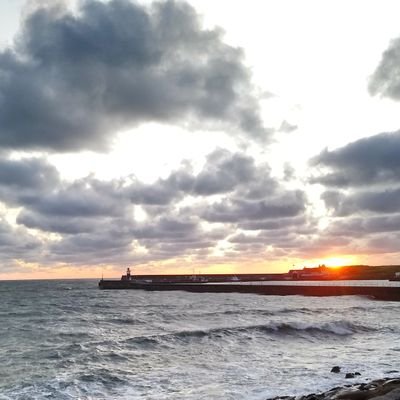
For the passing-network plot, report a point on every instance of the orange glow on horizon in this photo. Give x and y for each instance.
(170, 267)
(338, 261)
(173, 267)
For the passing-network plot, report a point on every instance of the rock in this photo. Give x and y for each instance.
(379, 389)
(282, 398)
(310, 397)
(393, 382)
(392, 395)
(352, 395)
(357, 374)
(335, 369)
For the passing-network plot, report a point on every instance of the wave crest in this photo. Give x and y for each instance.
(299, 329)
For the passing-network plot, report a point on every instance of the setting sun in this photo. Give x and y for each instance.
(337, 261)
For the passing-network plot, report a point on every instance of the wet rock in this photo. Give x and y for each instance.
(394, 381)
(392, 395)
(352, 395)
(335, 369)
(310, 397)
(350, 375)
(380, 389)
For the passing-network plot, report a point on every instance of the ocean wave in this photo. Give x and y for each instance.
(299, 329)
(124, 321)
(89, 386)
(144, 341)
(105, 378)
(74, 335)
(338, 328)
(264, 312)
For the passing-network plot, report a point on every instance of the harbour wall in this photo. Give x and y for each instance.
(376, 292)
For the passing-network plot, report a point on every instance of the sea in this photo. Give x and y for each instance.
(69, 340)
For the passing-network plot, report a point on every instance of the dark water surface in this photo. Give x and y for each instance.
(69, 340)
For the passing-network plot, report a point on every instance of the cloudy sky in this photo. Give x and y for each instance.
(199, 136)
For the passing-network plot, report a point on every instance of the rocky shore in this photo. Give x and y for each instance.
(380, 389)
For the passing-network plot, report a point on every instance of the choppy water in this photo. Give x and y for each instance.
(69, 340)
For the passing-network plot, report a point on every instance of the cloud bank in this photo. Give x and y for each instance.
(367, 161)
(72, 80)
(185, 215)
(362, 193)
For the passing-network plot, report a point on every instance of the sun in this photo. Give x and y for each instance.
(337, 261)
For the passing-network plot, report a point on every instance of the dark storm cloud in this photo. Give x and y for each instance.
(386, 201)
(386, 78)
(235, 210)
(280, 235)
(364, 162)
(357, 227)
(377, 201)
(97, 222)
(363, 180)
(52, 205)
(17, 243)
(80, 199)
(112, 244)
(176, 236)
(29, 173)
(162, 192)
(87, 205)
(222, 173)
(118, 241)
(167, 227)
(249, 195)
(69, 225)
(384, 244)
(335, 201)
(71, 80)
(280, 243)
(23, 181)
(275, 224)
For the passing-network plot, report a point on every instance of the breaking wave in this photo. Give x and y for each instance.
(292, 329)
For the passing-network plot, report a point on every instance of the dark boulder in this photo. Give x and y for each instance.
(335, 369)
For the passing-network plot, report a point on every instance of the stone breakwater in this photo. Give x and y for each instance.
(380, 389)
(375, 292)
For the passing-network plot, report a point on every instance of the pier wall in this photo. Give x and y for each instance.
(380, 293)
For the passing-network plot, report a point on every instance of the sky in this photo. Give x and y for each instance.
(197, 136)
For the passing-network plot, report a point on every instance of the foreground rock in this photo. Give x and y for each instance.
(381, 389)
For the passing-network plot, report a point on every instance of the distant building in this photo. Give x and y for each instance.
(128, 275)
(320, 272)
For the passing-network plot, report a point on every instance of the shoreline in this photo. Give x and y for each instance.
(379, 389)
